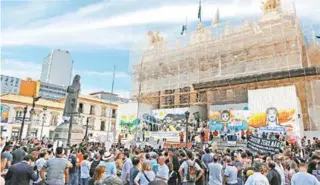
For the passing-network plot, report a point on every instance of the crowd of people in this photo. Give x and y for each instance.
(37, 162)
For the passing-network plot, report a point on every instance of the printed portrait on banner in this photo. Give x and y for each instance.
(228, 121)
(275, 110)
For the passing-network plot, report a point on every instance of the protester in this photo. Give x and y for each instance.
(230, 173)
(98, 176)
(215, 172)
(85, 170)
(18, 154)
(134, 170)
(95, 163)
(173, 175)
(257, 177)
(2, 166)
(273, 176)
(163, 170)
(107, 161)
(21, 173)
(73, 173)
(304, 178)
(125, 173)
(57, 169)
(145, 176)
(188, 170)
(8, 156)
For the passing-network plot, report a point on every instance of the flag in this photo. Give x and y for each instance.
(216, 19)
(183, 28)
(199, 12)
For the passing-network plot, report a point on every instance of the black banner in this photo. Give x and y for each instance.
(263, 145)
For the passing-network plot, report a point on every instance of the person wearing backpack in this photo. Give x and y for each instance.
(189, 169)
(94, 164)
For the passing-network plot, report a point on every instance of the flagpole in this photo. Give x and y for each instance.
(110, 107)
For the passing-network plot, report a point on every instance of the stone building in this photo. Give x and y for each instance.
(219, 64)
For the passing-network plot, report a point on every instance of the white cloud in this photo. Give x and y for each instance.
(20, 69)
(91, 25)
(26, 69)
(86, 90)
(118, 74)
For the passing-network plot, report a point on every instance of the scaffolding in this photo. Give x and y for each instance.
(167, 70)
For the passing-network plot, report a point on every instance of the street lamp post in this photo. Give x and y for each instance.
(25, 110)
(187, 113)
(34, 100)
(43, 118)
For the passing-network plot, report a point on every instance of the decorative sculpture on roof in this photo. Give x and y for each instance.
(246, 25)
(155, 40)
(202, 34)
(269, 5)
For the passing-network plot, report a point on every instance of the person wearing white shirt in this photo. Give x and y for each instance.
(163, 170)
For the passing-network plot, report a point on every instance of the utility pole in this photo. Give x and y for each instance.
(25, 110)
(110, 107)
(43, 118)
(34, 100)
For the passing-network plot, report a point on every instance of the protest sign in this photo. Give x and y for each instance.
(257, 144)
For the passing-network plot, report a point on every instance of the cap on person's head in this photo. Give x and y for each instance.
(257, 166)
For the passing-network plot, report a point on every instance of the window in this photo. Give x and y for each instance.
(54, 120)
(114, 113)
(80, 108)
(103, 112)
(92, 110)
(103, 126)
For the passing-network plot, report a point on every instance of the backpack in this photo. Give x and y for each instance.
(191, 173)
(93, 167)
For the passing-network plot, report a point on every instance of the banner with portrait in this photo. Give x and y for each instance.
(275, 110)
(229, 118)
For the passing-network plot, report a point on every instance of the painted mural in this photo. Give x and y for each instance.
(4, 111)
(129, 122)
(275, 110)
(228, 119)
(268, 110)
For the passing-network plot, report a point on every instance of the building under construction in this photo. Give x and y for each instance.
(218, 65)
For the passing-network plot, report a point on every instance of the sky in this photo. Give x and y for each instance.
(101, 34)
